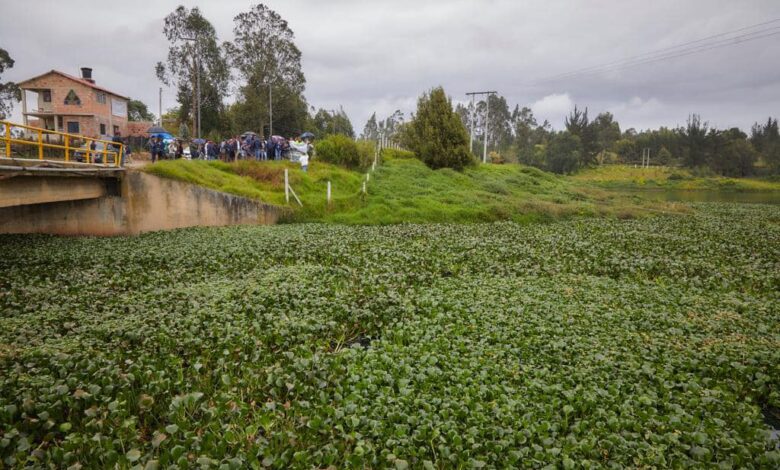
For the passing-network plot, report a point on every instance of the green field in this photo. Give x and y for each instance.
(631, 177)
(581, 343)
(404, 190)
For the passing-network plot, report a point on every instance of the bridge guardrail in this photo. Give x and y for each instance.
(74, 147)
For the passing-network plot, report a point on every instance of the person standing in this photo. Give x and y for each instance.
(304, 160)
(211, 150)
(256, 147)
(154, 148)
(116, 146)
(179, 149)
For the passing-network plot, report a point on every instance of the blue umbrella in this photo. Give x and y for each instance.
(198, 141)
(307, 135)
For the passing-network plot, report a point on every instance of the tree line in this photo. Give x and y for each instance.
(262, 56)
(517, 136)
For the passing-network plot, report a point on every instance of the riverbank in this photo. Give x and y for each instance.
(404, 190)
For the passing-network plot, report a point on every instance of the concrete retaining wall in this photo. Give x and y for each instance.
(146, 203)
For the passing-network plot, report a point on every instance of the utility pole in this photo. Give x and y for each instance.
(197, 76)
(160, 106)
(333, 120)
(270, 112)
(471, 134)
(487, 116)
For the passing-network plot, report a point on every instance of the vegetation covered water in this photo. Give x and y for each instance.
(581, 343)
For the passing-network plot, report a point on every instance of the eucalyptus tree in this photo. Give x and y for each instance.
(194, 52)
(9, 91)
(269, 67)
(371, 129)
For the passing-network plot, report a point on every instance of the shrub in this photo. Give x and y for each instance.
(436, 135)
(563, 153)
(343, 151)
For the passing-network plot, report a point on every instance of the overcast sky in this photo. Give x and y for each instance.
(380, 55)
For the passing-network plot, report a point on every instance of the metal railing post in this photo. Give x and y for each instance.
(67, 148)
(8, 140)
(40, 144)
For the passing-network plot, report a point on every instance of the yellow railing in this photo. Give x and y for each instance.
(111, 151)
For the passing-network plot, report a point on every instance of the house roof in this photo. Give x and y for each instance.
(75, 79)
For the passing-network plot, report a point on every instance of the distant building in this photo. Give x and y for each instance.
(75, 105)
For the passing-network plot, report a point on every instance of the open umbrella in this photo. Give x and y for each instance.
(198, 141)
(248, 133)
(307, 135)
(156, 130)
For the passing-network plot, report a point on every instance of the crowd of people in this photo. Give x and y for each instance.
(248, 146)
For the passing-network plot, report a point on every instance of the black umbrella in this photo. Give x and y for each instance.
(156, 130)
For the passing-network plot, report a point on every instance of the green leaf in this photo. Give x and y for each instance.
(133, 455)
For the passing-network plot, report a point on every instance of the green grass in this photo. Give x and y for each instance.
(404, 190)
(629, 177)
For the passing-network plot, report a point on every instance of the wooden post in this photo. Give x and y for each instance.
(286, 187)
(328, 192)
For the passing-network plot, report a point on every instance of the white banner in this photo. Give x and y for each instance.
(118, 108)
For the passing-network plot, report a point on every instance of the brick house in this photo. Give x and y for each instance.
(75, 105)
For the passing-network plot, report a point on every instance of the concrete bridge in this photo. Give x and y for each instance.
(77, 199)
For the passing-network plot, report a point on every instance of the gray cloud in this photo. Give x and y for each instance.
(380, 55)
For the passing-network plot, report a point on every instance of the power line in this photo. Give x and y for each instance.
(680, 53)
(676, 51)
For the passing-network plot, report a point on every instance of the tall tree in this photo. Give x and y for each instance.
(436, 134)
(563, 152)
(766, 140)
(371, 129)
(695, 141)
(331, 122)
(9, 91)
(194, 51)
(390, 126)
(606, 132)
(265, 54)
(578, 124)
(138, 111)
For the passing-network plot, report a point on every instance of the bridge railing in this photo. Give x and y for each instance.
(18, 141)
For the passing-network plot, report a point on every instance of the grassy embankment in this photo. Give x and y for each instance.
(405, 190)
(629, 177)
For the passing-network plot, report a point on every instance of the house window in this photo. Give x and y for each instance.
(46, 94)
(101, 98)
(72, 98)
(102, 129)
(73, 127)
(116, 130)
(59, 123)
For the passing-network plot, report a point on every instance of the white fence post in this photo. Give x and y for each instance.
(286, 187)
(328, 192)
(364, 187)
